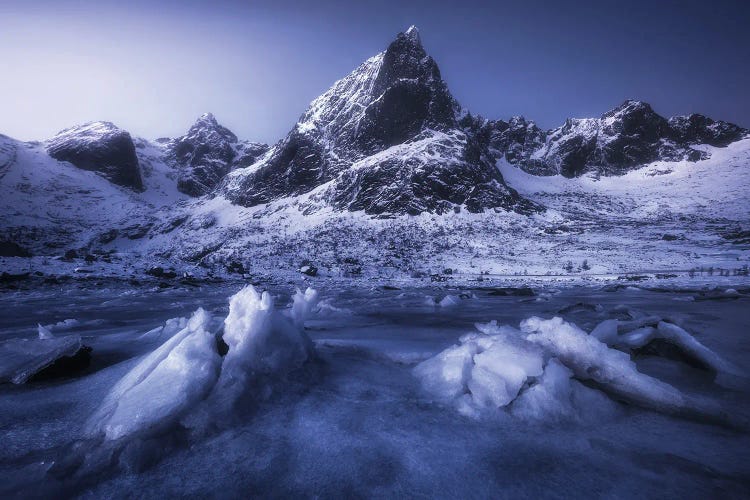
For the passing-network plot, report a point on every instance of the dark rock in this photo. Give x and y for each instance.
(108, 236)
(11, 278)
(510, 291)
(70, 254)
(309, 269)
(102, 148)
(137, 231)
(235, 267)
(11, 249)
(699, 129)
(159, 272)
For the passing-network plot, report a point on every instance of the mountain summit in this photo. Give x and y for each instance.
(206, 154)
(385, 139)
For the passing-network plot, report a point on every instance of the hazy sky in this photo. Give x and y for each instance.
(154, 67)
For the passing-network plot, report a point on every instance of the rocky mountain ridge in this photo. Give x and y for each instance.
(385, 140)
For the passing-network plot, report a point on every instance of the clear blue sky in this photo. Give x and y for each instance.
(153, 67)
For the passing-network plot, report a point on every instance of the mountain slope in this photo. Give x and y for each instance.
(49, 204)
(387, 139)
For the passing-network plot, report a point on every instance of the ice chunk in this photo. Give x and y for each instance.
(65, 324)
(164, 385)
(678, 336)
(260, 338)
(501, 370)
(44, 333)
(606, 331)
(446, 374)
(636, 334)
(21, 359)
(449, 301)
(489, 367)
(169, 328)
(612, 370)
(264, 345)
(302, 306)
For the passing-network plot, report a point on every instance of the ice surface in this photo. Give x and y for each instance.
(162, 387)
(367, 427)
(20, 359)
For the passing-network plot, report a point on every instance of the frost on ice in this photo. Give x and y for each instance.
(535, 373)
(187, 372)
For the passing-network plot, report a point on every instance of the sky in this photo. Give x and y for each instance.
(153, 67)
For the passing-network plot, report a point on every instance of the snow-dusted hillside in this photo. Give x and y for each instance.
(665, 216)
(49, 205)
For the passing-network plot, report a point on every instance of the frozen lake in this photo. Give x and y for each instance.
(357, 422)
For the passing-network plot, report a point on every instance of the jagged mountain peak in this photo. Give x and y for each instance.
(412, 32)
(629, 106)
(207, 124)
(367, 135)
(206, 153)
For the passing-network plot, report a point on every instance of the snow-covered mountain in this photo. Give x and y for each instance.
(386, 140)
(385, 171)
(206, 154)
(621, 140)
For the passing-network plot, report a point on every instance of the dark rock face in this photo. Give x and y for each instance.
(206, 154)
(625, 138)
(102, 148)
(12, 249)
(699, 129)
(387, 139)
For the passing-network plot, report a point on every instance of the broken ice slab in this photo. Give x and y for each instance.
(22, 359)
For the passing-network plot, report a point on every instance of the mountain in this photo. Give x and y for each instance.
(101, 147)
(51, 204)
(385, 140)
(625, 138)
(206, 154)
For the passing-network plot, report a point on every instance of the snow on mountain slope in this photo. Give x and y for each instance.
(666, 216)
(49, 204)
(715, 188)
